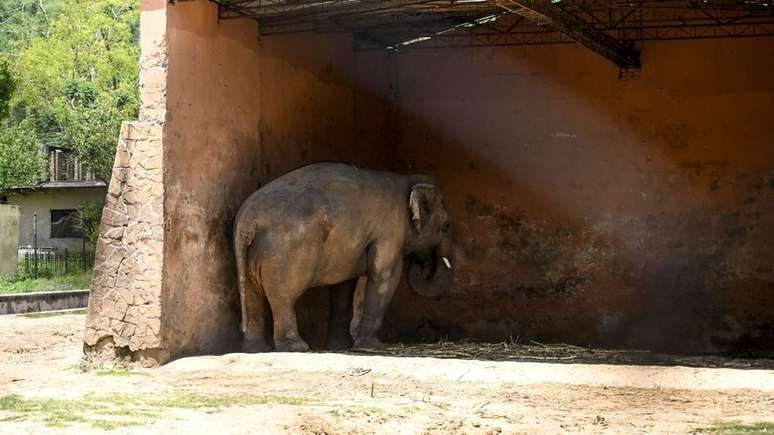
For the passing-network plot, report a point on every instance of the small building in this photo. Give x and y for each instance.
(54, 203)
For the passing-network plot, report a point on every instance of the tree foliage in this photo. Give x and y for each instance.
(20, 162)
(88, 218)
(21, 21)
(7, 85)
(75, 75)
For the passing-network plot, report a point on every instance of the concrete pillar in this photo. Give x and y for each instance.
(163, 280)
(9, 239)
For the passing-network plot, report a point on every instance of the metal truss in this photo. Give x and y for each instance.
(609, 27)
(643, 25)
(547, 14)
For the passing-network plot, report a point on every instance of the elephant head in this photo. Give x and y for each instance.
(430, 262)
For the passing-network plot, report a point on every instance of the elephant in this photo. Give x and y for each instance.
(327, 224)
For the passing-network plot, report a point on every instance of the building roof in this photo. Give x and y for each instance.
(47, 185)
(609, 27)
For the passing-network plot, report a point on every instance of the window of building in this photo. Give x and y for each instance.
(64, 224)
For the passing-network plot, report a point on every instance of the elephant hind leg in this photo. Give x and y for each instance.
(257, 314)
(286, 336)
(283, 288)
(255, 336)
(341, 295)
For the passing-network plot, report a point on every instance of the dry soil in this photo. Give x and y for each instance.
(330, 393)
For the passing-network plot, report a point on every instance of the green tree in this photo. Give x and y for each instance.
(77, 79)
(7, 85)
(21, 21)
(20, 162)
(88, 218)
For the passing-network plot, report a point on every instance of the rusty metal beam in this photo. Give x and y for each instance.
(547, 14)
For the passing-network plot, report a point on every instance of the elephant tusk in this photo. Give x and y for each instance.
(446, 262)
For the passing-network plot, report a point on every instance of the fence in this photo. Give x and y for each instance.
(40, 261)
(48, 262)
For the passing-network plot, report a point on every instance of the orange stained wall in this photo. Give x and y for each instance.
(240, 112)
(596, 211)
(211, 151)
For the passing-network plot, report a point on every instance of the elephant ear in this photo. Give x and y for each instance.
(419, 204)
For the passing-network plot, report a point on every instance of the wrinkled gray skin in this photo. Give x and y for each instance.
(327, 224)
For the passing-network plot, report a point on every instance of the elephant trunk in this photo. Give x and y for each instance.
(431, 275)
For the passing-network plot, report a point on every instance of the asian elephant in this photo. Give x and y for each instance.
(327, 224)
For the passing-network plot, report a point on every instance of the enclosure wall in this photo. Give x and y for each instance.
(211, 156)
(592, 210)
(240, 112)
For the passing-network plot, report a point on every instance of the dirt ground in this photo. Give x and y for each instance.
(486, 389)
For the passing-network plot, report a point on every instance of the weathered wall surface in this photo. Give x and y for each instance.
(211, 155)
(42, 202)
(590, 210)
(9, 240)
(241, 112)
(319, 102)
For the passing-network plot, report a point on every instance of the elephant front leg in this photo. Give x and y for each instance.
(340, 321)
(255, 336)
(382, 281)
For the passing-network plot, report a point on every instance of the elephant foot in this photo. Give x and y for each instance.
(297, 345)
(368, 343)
(255, 345)
(339, 342)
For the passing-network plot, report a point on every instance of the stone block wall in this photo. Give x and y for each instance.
(124, 315)
(125, 307)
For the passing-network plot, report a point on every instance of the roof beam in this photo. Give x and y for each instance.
(546, 13)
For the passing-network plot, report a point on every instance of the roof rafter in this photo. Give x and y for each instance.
(545, 13)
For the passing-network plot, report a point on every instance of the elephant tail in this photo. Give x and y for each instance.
(242, 242)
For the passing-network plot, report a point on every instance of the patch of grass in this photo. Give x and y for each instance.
(53, 313)
(25, 284)
(348, 411)
(738, 429)
(113, 411)
(113, 424)
(196, 401)
(53, 412)
(118, 371)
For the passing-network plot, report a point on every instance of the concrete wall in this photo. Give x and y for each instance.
(9, 240)
(211, 157)
(239, 113)
(42, 202)
(595, 211)
(43, 301)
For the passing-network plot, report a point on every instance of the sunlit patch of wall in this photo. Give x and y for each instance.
(592, 210)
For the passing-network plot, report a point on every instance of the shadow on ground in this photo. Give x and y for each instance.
(565, 353)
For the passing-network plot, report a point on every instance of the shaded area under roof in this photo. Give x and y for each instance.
(609, 27)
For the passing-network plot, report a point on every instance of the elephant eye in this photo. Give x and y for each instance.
(445, 228)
